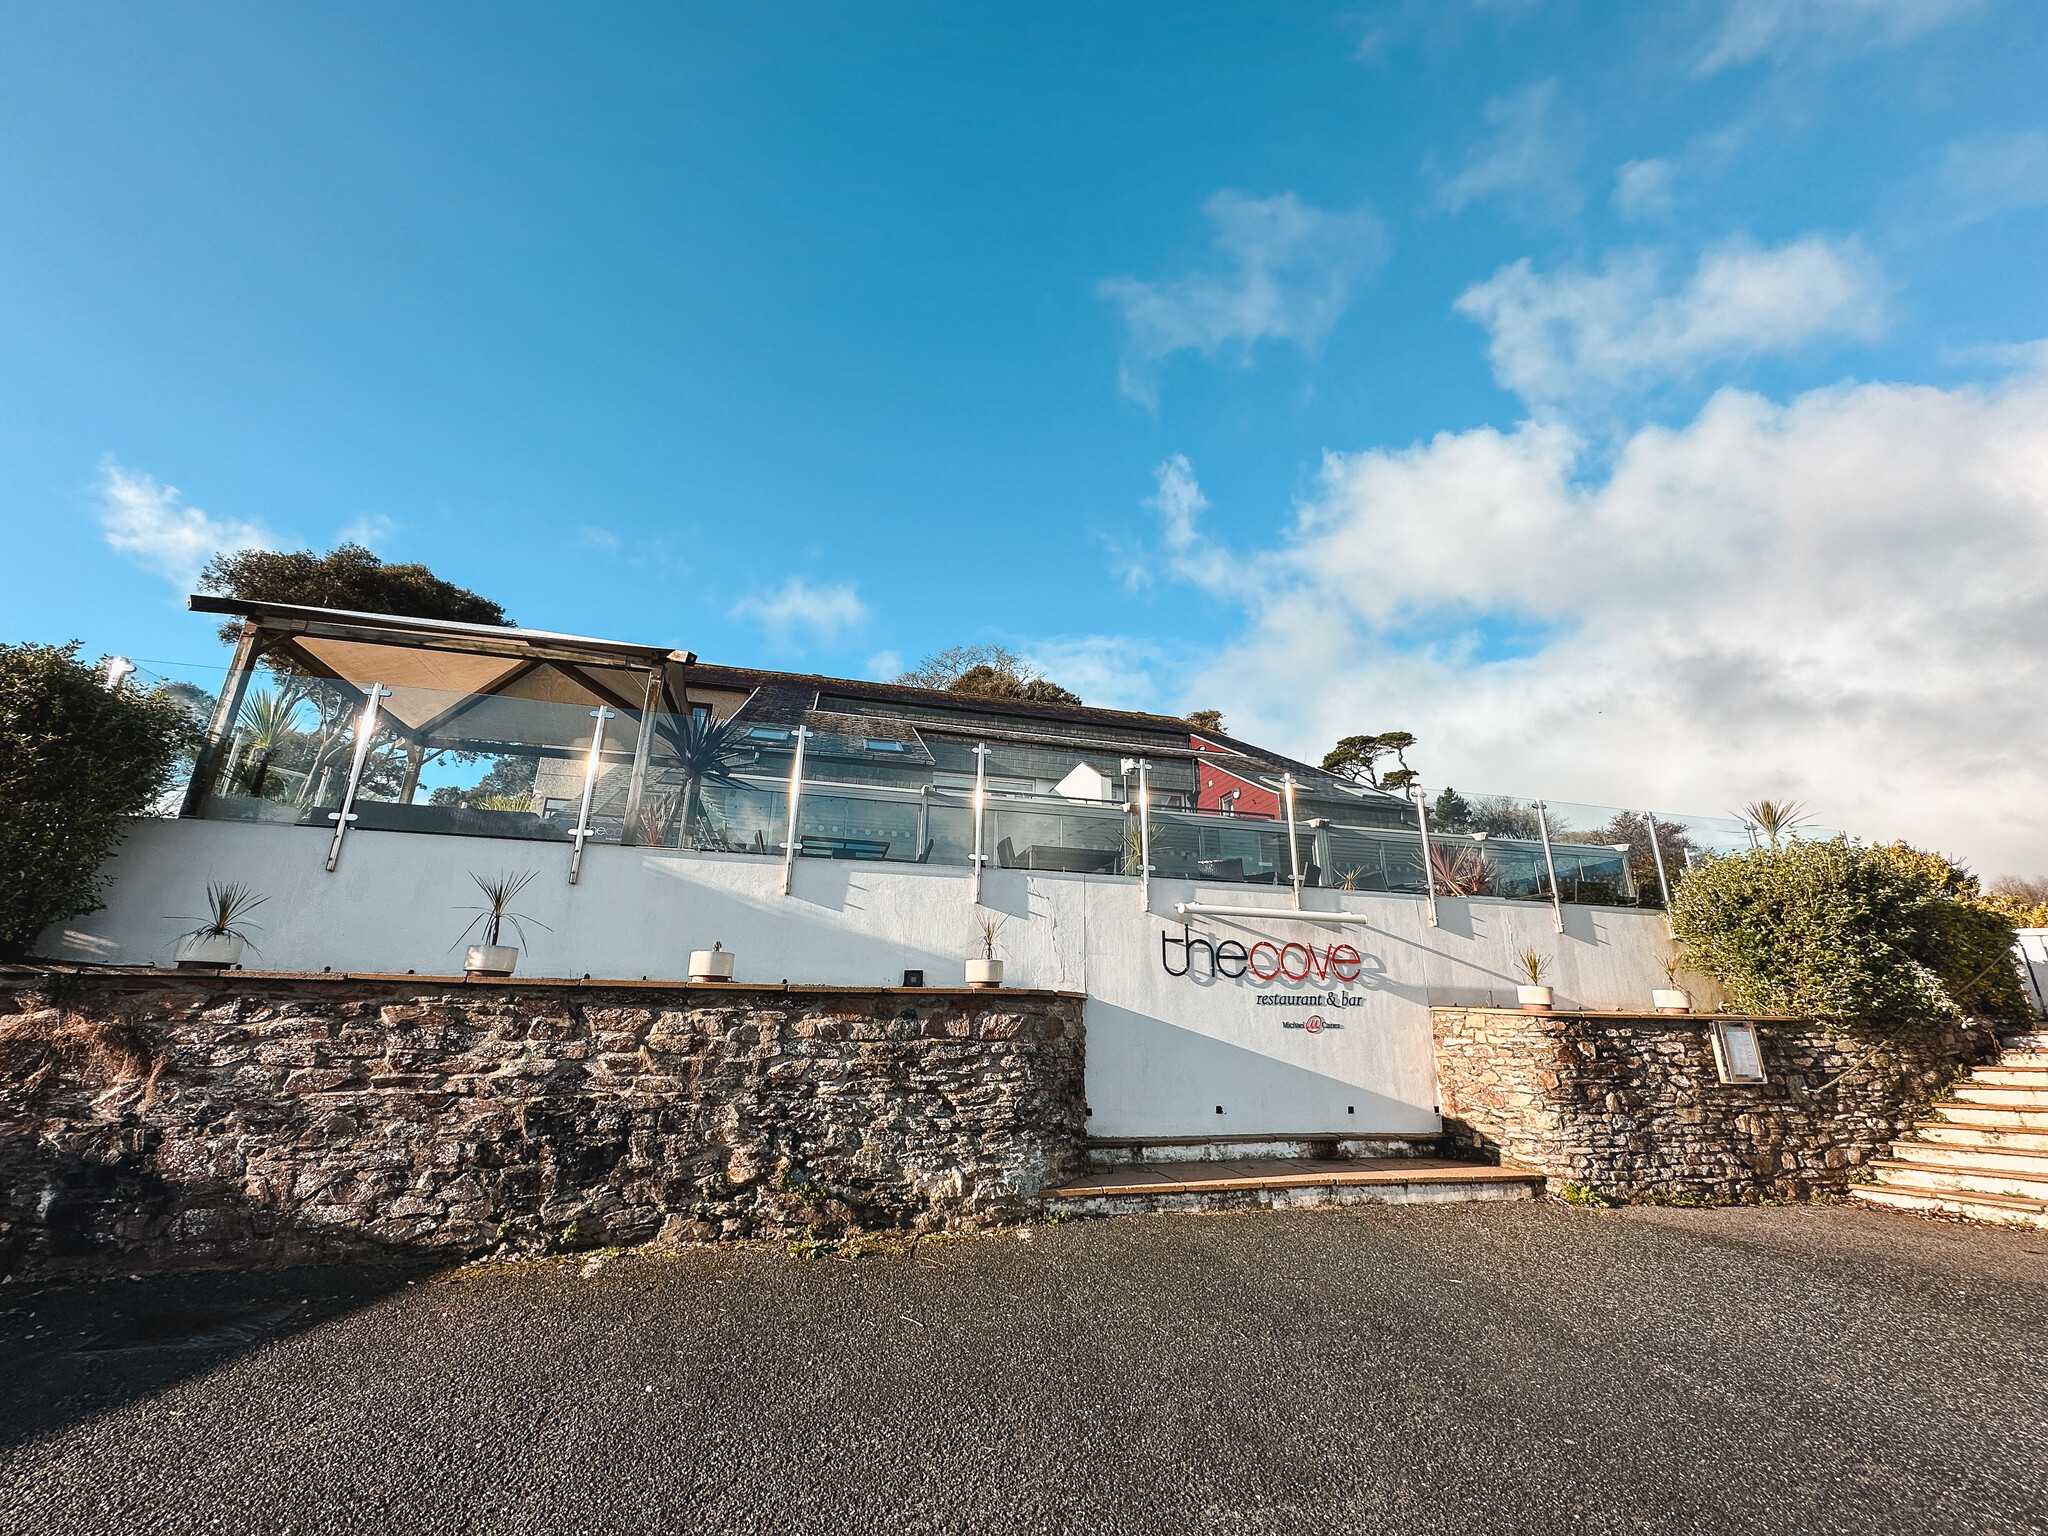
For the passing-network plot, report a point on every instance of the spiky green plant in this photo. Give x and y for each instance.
(1776, 819)
(500, 891)
(703, 751)
(228, 905)
(1534, 966)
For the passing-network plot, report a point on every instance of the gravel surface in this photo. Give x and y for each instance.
(1464, 1368)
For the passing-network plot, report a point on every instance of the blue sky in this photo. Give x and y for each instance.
(1641, 403)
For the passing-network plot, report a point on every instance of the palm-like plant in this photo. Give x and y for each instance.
(1776, 819)
(228, 905)
(1460, 871)
(1533, 965)
(267, 719)
(499, 893)
(703, 751)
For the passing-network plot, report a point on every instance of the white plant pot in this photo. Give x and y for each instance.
(490, 959)
(984, 973)
(209, 951)
(711, 965)
(1671, 1001)
(1534, 999)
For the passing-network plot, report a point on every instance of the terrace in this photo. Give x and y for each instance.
(365, 722)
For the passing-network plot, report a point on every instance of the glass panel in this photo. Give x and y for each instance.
(1190, 846)
(482, 765)
(1048, 833)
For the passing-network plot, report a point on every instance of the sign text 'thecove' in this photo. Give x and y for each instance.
(1264, 961)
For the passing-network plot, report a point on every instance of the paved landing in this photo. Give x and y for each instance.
(1197, 1178)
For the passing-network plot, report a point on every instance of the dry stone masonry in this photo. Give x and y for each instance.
(1630, 1106)
(164, 1119)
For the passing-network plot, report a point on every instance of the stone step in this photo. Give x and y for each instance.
(2007, 1209)
(2034, 1042)
(1923, 1176)
(2010, 1074)
(1969, 1091)
(2012, 1058)
(1936, 1154)
(1992, 1116)
(1953, 1135)
(1138, 1188)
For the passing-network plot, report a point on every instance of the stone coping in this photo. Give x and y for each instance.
(1286, 1173)
(30, 972)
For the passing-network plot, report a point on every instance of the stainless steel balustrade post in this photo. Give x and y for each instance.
(791, 845)
(1556, 901)
(1663, 884)
(1428, 865)
(590, 767)
(980, 802)
(1144, 839)
(365, 729)
(1293, 844)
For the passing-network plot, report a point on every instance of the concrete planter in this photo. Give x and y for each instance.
(491, 959)
(711, 965)
(1671, 1001)
(1533, 999)
(209, 951)
(984, 973)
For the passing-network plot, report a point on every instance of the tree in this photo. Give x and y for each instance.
(1866, 938)
(348, 577)
(1357, 758)
(1205, 719)
(986, 671)
(75, 762)
(2024, 901)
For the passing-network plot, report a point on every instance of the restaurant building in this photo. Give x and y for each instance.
(1259, 943)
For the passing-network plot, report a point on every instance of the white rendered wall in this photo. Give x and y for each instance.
(1163, 1052)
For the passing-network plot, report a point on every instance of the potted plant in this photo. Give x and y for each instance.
(1533, 995)
(217, 943)
(713, 964)
(492, 958)
(1671, 998)
(986, 970)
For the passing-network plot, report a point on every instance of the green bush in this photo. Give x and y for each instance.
(1849, 934)
(75, 762)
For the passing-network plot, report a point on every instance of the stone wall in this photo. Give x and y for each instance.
(1630, 1104)
(172, 1120)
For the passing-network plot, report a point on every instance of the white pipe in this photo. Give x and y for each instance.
(1288, 914)
(796, 797)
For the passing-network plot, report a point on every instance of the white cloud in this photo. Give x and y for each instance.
(1577, 335)
(1778, 30)
(150, 525)
(1526, 158)
(1996, 174)
(1838, 598)
(373, 532)
(1109, 671)
(1285, 272)
(1642, 189)
(797, 610)
(599, 538)
(884, 666)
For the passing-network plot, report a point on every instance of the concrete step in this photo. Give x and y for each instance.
(2007, 1209)
(1952, 1135)
(2034, 1042)
(1121, 1151)
(1137, 1188)
(2009, 1074)
(1997, 1117)
(1936, 1154)
(1970, 1091)
(2012, 1058)
(1925, 1176)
